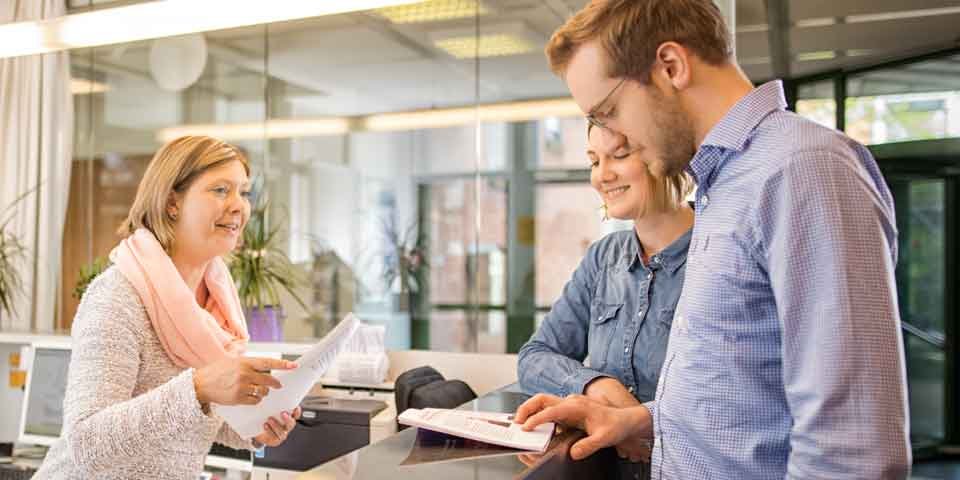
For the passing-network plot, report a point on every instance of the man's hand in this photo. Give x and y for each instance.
(605, 426)
(611, 392)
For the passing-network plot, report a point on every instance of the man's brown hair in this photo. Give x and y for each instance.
(630, 31)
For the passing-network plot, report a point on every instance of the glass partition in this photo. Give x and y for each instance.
(401, 171)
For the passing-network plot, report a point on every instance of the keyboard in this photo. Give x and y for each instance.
(12, 471)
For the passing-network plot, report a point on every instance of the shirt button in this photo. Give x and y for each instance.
(630, 389)
(640, 313)
(706, 200)
(649, 275)
(626, 350)
(599, 319)
(656, 259)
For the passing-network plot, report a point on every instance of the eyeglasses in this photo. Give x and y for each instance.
(592, 114)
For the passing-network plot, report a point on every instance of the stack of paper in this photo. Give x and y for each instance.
(488, 427)
(364, 358)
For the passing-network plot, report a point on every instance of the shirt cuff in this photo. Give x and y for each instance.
(652, 408)
(577, 383)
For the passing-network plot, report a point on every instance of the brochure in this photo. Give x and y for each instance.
(488, 427)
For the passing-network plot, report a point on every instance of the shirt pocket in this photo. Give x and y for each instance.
(665, 318)
(603, 326)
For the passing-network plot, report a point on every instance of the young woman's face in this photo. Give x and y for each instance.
(620, 176)
(211, 214)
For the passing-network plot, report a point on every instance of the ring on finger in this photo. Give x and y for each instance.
(255, 391)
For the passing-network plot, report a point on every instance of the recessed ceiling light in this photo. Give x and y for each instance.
(814, 56)
(493, 40)
(885, 16)
(496, 45)
(433, 11)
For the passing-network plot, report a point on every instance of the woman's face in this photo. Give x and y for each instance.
(211, 214)
(620, 176)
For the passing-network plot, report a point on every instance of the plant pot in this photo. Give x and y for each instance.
(265, 324)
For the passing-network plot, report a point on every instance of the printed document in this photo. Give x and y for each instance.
(488, 427)
(248, 420)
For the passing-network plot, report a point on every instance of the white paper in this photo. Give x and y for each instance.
(362, 368)
(248, 420)
(488, 427)
(363, 359)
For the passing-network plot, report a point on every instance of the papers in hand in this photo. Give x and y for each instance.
(248, 420)
(488, 427)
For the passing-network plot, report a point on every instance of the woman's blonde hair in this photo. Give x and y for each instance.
(666, 193)
(172, 170)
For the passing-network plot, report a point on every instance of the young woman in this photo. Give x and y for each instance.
(617, 308)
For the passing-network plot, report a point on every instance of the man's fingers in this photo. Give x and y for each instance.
(586, 446)
(564, 413)
(535, 404)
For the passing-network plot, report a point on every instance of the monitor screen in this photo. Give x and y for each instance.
(47, 384)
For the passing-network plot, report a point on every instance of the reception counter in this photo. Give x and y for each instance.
(384, 460)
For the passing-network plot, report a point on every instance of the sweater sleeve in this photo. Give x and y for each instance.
(227, 436)
(103, 422)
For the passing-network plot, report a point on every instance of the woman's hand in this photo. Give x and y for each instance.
(610, 391)
(276, 429)
(237, 381)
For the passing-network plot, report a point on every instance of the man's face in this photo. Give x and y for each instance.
(649, 116)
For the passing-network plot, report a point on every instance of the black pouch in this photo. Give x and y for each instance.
(425, 387)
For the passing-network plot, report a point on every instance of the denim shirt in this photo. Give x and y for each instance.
(617, 311)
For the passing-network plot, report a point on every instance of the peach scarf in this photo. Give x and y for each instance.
(192, 336)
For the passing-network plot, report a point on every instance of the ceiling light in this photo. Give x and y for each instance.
(417, 120)
(82, 86)
(493, 40)
(758, 28)
(814, 56)
(861, 52)
(499, 45)
(903, 15)
(815, 22)
(449, 117)
(163, 18)
(433, 11)
(274, 128)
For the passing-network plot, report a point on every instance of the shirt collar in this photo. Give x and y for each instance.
(671, 258)
(733, 131)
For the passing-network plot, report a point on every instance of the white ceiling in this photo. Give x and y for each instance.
(361, 63)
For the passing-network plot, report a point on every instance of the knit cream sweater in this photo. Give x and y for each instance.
(129, 412)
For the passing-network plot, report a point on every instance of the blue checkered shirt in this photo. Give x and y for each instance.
(785, 359)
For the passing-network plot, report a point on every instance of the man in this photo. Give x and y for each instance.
(785, 358)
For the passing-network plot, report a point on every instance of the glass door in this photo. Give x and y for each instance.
(921, 286)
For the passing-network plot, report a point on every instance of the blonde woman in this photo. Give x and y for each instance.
(159, 336)
(618, 306)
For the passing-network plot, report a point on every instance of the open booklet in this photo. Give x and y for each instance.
(487, 427)
(248, 420)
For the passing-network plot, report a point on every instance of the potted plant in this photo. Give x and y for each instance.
(12, 251)
(87, 273)
(260, 269)
(405, 274)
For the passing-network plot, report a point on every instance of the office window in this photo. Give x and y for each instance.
(916, 101)
(817, 102)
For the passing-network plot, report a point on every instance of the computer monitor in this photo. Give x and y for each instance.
(42, 413)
